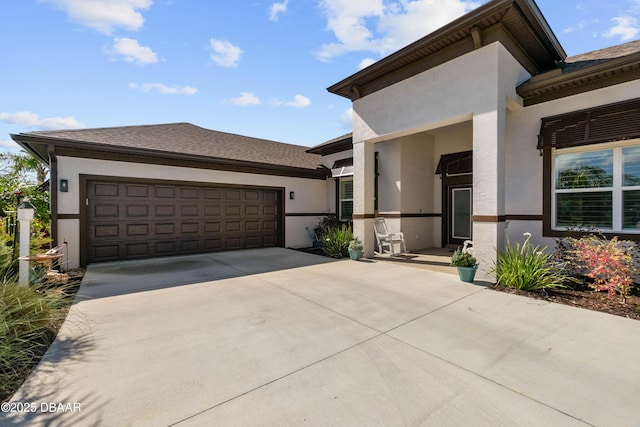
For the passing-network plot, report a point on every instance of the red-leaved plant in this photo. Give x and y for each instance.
(608, 262)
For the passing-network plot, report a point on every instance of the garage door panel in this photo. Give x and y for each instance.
(189, 227)
(105, 189)
(137, 191)
(213, 193)
(137, 249)
(189, 193)
(165, 192)
(106, 211)
(269, 240)
(165, 228)
(213, 244)
(110, 252)
(131, 220)
(233, 210)
(212, 210)
(165, 248)
(165, 210)
(233, 243)
(212, 227)
(137, 229)
(233, 194)
(136, 211)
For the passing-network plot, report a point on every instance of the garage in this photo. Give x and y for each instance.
(131, 219)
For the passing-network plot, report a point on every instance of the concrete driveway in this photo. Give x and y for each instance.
(279, 337)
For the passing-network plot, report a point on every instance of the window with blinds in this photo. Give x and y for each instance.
(597, 187)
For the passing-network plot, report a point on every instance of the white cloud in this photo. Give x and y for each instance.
(373, 26)
(133, 52)
(347, 118)
(32, 120)
(164, 89)
(579, 26)
(9, 146)
(105, 15)
(365, 63)
(277, 9)
(299, 101)
(225, 53)
(626, 28)
(246, 99)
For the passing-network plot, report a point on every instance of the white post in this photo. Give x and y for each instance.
(25, 216)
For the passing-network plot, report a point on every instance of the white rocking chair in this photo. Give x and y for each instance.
(384, 238)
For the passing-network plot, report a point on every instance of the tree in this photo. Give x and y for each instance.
(21, 175)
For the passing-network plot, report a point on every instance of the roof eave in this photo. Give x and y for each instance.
(554, 85)
(68, 146)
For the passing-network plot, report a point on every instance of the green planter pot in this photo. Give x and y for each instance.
(355, 254)
(467, 273)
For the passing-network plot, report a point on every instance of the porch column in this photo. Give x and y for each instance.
(488, 187)
(363, 193)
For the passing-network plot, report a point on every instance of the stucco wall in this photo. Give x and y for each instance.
(310, 194)
(523, 163)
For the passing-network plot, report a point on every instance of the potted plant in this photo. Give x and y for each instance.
(355, 249)
(466, 263)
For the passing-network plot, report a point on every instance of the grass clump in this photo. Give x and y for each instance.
(29, 319)
(528, 268)
(336, 241)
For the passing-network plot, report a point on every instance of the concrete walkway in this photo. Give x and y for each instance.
(278, 337)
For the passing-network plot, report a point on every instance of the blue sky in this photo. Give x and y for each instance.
(252, 67)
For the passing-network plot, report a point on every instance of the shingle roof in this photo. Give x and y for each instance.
(598, 56)
(335, 145)
(182, 139)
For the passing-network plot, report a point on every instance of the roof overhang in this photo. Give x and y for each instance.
(560, 83)
(43, 148)
(336, 145)
(517, 24)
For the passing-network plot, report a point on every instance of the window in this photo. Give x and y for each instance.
(345, 199)
(597, 187)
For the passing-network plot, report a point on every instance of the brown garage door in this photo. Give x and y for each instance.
(132, 220)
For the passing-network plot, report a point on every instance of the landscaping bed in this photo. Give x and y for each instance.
(583, 296)
(28, 333)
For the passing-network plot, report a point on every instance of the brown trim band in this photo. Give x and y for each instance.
(524, 217)
(196, 162)
(294, 214)
(410, 215)
(364, 216)
(68, 216)
(489, 218)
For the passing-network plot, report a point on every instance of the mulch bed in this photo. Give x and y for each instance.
(584, 297)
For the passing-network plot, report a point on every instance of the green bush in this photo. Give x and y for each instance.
(528, 268)
(335, 242)
(29, 317)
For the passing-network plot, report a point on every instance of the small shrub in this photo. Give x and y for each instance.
(336, 241)
(609, 263)
(528, 268)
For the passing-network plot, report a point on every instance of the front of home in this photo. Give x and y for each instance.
(482, 130)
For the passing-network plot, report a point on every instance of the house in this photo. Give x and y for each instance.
(485, 130)
(173, 189)
(481, 130)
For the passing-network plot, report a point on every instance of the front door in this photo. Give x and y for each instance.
(457, 197)
(460, 211)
